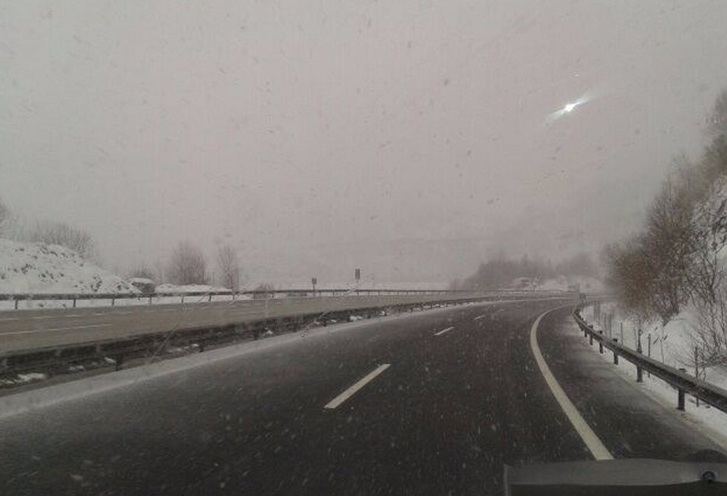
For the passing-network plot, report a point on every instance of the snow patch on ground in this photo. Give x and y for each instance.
(188, 288)
(675, 348)
(40, 268)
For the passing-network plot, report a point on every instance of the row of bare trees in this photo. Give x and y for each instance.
(188, 265)
(679, 258)
(49, 232)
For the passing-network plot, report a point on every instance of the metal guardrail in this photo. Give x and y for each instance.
(55, 358)
(16, 298)
(678, 379)
(119, 296)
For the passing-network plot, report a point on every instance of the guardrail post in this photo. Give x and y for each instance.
(600, 343)
(210, 298)
(615, 355)
(590, 338)
(150, 297)
(639, 374)
(680, 394)
(113, 301)
(16, 303)
(696, 368)
(74, 303)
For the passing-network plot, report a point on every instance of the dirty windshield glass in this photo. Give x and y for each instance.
(363, 247)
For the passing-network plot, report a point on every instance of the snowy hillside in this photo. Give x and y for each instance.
(41, 268)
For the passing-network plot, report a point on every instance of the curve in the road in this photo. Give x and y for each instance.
(594, 444)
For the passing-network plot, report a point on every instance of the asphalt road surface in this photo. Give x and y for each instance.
(434, 403)
(33, 329)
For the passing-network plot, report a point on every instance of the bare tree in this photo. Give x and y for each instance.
(717, 122)
(667, 245)
(630, 276)
(60, 233)
(228, 267)
(187, 265)
(5, 219)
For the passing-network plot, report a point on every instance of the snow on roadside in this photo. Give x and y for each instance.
(41, 268)
(188, 288)
(703, 415)
(38, 268)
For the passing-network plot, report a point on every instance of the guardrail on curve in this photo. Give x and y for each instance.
(16, 298)
(679, 379)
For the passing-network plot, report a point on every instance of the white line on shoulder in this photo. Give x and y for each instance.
(594, 444)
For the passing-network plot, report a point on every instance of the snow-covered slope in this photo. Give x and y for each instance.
(40, 268)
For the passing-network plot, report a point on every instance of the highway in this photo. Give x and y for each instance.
(429, 403)
(34, 329)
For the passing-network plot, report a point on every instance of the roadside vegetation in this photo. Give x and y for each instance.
(676, 266)
(186, 265)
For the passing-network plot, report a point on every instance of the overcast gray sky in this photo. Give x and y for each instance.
(407, 137)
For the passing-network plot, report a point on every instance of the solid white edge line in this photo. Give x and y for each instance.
(338, 400)
(443, 331)
(480, 317)
(595, 446)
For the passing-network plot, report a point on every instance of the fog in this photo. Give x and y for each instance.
(410, 139)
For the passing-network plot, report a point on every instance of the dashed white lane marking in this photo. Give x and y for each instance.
(443, 331)
(480, 317)
(338, 400)
(54, 329)
(7, 319)
(596, 447)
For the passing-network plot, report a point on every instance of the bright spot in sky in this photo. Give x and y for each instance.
(568, 108)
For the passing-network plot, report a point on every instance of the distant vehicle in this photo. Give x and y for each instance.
(146, 286)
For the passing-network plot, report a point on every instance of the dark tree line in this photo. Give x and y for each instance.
(501, 271)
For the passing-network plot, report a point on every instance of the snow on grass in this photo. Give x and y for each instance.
(38, 268)
(188, 288)
(670, 344)
(41, 268)
(674, 347)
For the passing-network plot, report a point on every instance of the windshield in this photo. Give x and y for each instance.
(336, 247)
